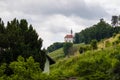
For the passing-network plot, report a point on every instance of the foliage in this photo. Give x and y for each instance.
(99, 31)
(92, 65)
(25, 70)
(55, 46)
(94, 44)
(2, 69)
(114, 34)
(59, 54)
(66, 48)
(76, 38)
(115, 20)
(19, 38)
(97, 72)
(84, 48)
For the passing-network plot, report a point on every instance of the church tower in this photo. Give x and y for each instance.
(69, 37)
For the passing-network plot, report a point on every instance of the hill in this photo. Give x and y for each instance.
(59, 54)
(100, 64)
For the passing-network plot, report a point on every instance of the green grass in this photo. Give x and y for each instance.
(59, 54)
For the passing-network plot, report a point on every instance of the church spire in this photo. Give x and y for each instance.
(71, 31)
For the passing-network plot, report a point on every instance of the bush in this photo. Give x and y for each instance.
(107, 43)
(66, 48)
(114, 34)
(2, 69)
(96, 69)
(82, 49)
(94, 44)
(25, 70)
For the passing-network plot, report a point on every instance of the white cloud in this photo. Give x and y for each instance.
(55, 27)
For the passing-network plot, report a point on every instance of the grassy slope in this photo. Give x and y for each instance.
(67, 67)
(59, 54)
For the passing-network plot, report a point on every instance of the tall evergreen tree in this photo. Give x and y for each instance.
(18, 38)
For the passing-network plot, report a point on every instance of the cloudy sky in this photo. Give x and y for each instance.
(53, 19)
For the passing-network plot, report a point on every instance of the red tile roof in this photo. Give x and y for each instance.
(69, 36)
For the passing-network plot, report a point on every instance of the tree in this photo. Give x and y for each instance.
(94, 44)
(98, 31)
(67, 47)
(19, 38)
(27, 70)
(76, 39)
(114, 20)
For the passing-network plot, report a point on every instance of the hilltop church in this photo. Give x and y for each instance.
(69, 37)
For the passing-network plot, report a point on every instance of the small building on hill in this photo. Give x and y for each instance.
(69, 37)
(49, 61)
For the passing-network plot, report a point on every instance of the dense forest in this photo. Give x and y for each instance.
(19, 38)
(99, 31)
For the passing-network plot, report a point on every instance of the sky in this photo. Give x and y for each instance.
(53, 19)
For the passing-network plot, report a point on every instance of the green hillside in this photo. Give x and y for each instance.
(100, 64)
(59, 54)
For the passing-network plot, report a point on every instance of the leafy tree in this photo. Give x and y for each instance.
(2, 69)
(2, 28)
(19, 38)
(76, 39)
(26, 70)
(98, 31)
(67, 47)
(114, 20)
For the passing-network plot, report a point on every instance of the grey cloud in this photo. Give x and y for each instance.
(64, 7)
(56, 30)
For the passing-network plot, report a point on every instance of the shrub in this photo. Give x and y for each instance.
(114, 34)
(66, 48)
(25, 70)
(94, 44)
(107, 43)
(96, 69)
(82, 49)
